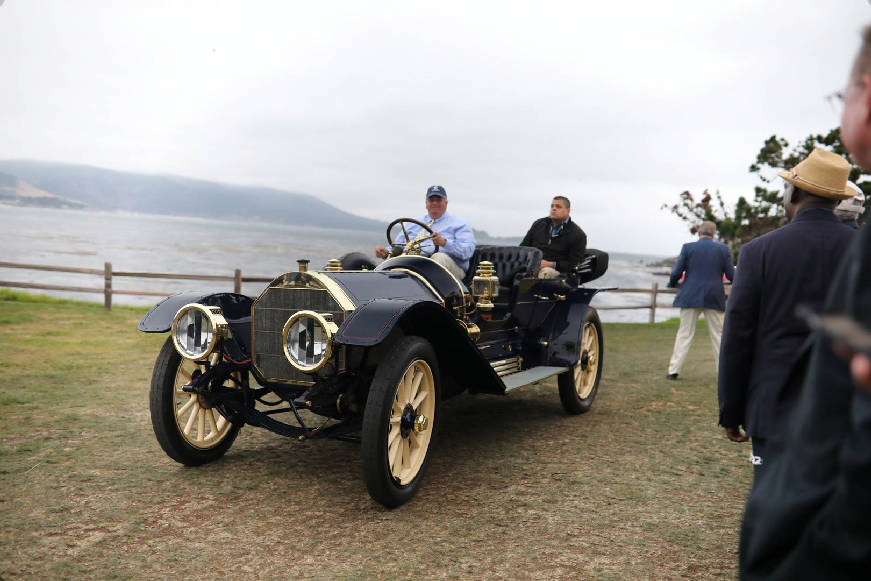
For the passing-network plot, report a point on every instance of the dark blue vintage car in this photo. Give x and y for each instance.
(366, 353)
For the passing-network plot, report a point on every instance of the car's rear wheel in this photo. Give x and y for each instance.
(400, 421)
(188, 427)
(578, 387)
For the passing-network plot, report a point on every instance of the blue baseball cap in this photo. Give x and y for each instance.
(436, 191)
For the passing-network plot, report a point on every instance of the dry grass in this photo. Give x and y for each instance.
(643, 487)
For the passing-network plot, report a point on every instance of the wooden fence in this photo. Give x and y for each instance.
(108, 275)
(654, 291)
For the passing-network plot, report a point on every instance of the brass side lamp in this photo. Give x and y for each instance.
(485, 285)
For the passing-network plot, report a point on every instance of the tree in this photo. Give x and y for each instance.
(750, 219)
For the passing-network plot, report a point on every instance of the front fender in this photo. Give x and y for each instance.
(459, 357)
(236, 309)
(371, 323)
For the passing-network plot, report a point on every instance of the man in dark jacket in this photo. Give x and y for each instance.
(793, 265)
(809, 515)
(704, 263)
(561, 241)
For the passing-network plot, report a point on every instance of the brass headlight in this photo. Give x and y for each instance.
(196, 329)
(308, 340)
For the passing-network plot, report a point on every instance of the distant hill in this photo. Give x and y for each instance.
(37, 183)
(109, 190)
(18, 192)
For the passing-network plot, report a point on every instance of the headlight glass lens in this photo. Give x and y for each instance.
(196, 330)
(308, 339)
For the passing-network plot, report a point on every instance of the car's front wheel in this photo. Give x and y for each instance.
(188, 427)
(399, 422)
(578, 387)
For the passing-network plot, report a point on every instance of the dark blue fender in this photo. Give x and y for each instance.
(459, 358)
(564, 327)
(236, 309)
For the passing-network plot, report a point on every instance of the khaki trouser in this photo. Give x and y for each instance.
(688, 318)
(448, 262)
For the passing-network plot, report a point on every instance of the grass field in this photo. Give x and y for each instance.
(644, 486)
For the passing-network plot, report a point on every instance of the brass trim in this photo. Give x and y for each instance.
(334, 289)
(220, 328)
(333, 265)
(472, 329)
(456, 280)
(311, 280)
(329, 328)
(294, 279)
(422, 279)
(504, 367)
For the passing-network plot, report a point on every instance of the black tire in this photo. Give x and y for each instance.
(188, 431)
(578, 387)
(400, 421)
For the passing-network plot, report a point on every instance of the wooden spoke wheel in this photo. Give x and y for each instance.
(399, 422)
(188, 427)
(578, 387)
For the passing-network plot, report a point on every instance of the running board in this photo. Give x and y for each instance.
(530, 376)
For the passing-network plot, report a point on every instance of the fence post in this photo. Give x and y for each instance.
(653, 291)
(107, 285)
(237, 281)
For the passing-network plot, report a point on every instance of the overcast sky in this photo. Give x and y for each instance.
(619, 105)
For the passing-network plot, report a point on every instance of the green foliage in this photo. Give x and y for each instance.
(749, 219)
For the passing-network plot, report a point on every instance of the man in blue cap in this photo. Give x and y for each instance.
(452, 235)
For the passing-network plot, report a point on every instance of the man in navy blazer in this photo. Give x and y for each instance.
(793, 265)
(809, 516)
(703, 263)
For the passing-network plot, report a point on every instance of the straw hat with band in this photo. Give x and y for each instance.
(823, 174)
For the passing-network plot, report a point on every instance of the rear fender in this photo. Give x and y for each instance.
(565, 326)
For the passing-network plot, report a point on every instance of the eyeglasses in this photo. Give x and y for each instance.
(836, 100)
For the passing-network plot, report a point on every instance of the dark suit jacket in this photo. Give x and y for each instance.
(809, 514)
(705, 262)
(565, 250)
(762, 336)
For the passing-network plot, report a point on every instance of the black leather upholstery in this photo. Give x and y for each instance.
(511, 262)
(515, 262)
(594, 265)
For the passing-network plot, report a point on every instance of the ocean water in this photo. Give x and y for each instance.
(190, 245)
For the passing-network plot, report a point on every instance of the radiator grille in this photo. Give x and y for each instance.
(269, 314)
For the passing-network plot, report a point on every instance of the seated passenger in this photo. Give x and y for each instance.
(561, 241)
(453, 236)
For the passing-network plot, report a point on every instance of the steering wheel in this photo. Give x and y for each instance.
(411, 246)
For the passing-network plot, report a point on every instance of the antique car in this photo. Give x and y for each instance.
(367, 353)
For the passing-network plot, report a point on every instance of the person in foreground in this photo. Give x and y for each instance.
(704, 263)
(809, 516)
(453, 236)
(793, 265)
(561, 241)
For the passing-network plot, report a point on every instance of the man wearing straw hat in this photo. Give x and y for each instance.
(809, 516)
(795, 264)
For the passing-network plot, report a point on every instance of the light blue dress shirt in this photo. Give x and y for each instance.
(458, 235)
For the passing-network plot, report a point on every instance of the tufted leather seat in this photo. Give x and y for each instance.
(594, 265)
(515, 262)
(511, 263)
